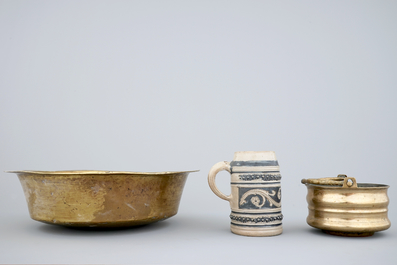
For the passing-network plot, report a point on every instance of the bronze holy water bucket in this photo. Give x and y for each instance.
(341, 206)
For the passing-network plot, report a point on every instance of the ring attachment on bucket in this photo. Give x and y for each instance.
(340, 180)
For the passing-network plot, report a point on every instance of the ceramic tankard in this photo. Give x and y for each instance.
(255, 198)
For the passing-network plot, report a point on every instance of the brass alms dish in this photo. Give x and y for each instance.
(102, 198)
(341, 206)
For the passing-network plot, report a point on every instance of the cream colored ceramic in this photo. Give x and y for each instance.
(255, 198)
(102, 198)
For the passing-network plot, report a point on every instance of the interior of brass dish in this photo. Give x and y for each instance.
(341, 206)
(89, 198)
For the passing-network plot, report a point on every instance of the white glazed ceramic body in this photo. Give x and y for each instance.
(255, 198)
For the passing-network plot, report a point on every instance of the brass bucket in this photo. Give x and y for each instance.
(340, 206)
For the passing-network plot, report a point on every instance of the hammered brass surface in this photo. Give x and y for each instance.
(348, 211)
(102, 198)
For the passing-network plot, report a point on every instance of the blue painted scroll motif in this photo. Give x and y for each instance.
(259, 198)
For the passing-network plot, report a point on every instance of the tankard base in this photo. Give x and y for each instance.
(253, 231)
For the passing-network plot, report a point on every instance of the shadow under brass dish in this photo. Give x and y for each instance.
(341, 206)
(102, 198)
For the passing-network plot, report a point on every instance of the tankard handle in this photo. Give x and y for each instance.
(211, 178)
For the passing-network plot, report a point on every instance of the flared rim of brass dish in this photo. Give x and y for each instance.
(95, 172)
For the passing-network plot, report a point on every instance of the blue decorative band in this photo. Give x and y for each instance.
(237, 171)
(244, 219)
(260, 183)
(256, 226)
(264, 177)
(258, 163)
(275, 213)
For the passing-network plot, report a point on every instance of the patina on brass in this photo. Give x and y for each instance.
(102, 198)
(340, 206)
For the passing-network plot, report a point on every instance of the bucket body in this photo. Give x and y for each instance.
(359, 211)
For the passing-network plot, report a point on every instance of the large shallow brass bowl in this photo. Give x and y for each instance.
(340, 206)
(102, 198)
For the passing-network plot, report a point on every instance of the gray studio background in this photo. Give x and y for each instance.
(181, 85)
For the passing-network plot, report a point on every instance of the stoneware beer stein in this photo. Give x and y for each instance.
(255, 198)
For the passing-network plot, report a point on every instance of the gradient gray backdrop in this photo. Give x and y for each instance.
(181, 85)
